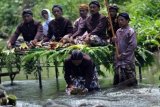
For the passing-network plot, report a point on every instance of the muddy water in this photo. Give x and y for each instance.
(146, 94)
(29, 95)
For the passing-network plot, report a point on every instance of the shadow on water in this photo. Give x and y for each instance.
(146, 94)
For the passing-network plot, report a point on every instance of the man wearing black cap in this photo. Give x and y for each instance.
(95, 25)
(125, 60)
(59, 27)
(30, 29)
(113, 9)
(80, 72)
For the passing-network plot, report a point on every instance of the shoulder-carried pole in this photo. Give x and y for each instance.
(110, 21)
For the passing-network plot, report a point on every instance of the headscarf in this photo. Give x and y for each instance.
(83, 6)
(45, 24)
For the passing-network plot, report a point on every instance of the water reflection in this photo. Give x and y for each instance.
(147, 94)
(29, 95)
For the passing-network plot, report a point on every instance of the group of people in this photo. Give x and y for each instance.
(87, 29)
(93, 29)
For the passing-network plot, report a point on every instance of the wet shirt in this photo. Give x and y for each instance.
(59, 28)
(126, 39)
(85, 70)
(95, 25)
(30, 31)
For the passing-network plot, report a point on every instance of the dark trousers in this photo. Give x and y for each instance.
(125, 75)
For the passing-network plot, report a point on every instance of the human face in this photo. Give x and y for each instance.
(94, 9)
(27, 18)
(122, 22)
(57, 12)
(76, 62)
(83, 13)
(45, 14)
(113, 12)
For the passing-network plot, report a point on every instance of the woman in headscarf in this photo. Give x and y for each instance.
(46, 14)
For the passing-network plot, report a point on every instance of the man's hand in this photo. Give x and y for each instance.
(34, 42)
(114, 39)
(70, 86)
(87, 38)
(119, 56)
(9, 45)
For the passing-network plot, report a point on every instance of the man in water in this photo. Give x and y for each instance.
(80, 72)
(126, 45)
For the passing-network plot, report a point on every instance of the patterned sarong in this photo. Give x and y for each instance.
(125, 75)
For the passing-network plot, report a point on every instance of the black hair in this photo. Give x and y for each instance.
(95, 3)
(58, 6)
(76, 55)
(125, 15)
(27, 11)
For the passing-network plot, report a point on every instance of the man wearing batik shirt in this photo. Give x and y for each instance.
(80, 72)
(78, 24)
(126, 45)
(95, 25)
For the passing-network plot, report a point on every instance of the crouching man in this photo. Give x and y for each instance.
(80, 73)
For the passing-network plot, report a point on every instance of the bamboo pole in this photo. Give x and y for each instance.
(110, 21)
(112, 30)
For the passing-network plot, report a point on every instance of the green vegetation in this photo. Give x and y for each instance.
(145, 18)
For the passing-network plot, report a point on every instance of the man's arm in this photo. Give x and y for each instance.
(69, 28)
(39, 33)
(89, 74)
(75, 25)
(14, 37)
(132, 44)
(100, 27)
(67, 73)
(81, 30)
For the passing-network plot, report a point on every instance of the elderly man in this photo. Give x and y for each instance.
(78, 24)
(125, 59)
(80, 72)
(31, 30)
(95, 25)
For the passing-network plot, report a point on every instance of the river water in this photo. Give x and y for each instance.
(146, 94)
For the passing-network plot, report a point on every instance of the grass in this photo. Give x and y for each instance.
(3, 42)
